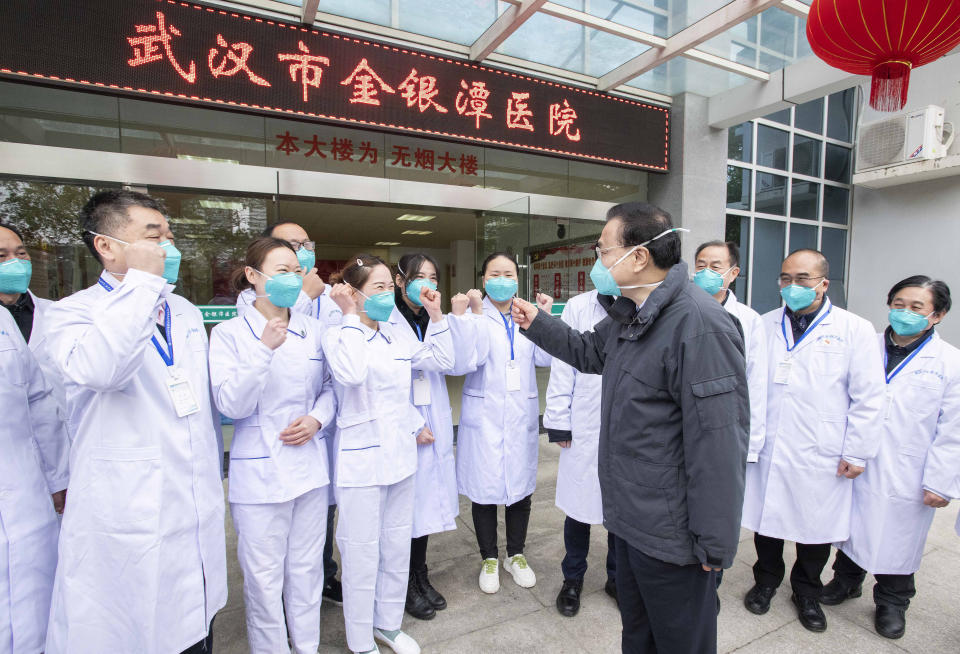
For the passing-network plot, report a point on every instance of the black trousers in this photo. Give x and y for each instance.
(665, 608)
(517, 516)
(418, 553)
(205, 646)
(890, 590)
(329, 565)
(805, 576)
(576, 540)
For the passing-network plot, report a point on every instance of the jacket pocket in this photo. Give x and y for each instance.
(357, 456)
(714, 407)
(923, 398)
(830, 435)
(127, 488)
(828, 360)
(651, 500)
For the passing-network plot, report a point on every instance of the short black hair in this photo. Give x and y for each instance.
(12, 229)
(939, 290)
(642, 222)
(494, 255)
(822, 262)
(106, 212)
(732, 249)
(268, 230)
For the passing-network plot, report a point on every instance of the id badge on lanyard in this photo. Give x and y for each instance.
(178, 386)
(421, 389)
(513, 371)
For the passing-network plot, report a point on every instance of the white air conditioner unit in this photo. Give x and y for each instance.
(904, 138)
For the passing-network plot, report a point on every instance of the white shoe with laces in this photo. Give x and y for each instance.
(517, 566)
(490, 576)
(400, 643)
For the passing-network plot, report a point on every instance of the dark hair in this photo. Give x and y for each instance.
(939, 290)
(732, 249)
(505, 255)
(268, 230)
(822, 262)
(335, 278)
(411, 264)
(257, 253)
(359, 268)
(107, 211)
(12, 229)
(642, 222)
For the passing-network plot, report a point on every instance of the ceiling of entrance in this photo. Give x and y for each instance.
(648, 48)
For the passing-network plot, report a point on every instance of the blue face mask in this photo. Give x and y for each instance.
(500, 289)
(798, 297)
(306, 258)
(603, 279)
(413, 289)
(15, 275)
(906, 322)
(378, 307)
(709, 280)
(283, 289)
(171, 265)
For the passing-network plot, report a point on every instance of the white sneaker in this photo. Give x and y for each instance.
(490, 576)
(375, 650)
(401, 644)
(522, 574)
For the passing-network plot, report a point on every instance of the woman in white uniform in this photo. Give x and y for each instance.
(497, 444)
(917, 468)
(436, 503)
(28, 524)
(378, 430)
(268, 374)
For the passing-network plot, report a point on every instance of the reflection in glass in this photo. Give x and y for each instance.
(836, 204)
(740, 142)
(738, 231)
(772, 147)
(771, 194)
(768, 240)
(834, 248)
(809, 116)
(804, 200)
(802, 237)
(806, 155)
(837, 164)
(738, 188)
(840, 112)
(782, 117)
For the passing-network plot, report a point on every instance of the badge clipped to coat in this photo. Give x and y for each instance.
(181, 393)
(513, 376)
(782, 374)
(421, 389)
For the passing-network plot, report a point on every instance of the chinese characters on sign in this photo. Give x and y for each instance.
(157, 48)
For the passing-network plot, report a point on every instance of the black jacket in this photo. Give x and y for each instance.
(675, 418)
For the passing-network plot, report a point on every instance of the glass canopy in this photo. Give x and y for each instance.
(649, 48)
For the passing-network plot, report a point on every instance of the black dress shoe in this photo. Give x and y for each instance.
(333, 592)
(836, 593)
(431, 593)
(417, 604)
(610, 588)
(890, 622)
(758, 599)
(568, 600)
(810, 614)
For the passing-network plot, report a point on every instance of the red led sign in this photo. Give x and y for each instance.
(183, 51)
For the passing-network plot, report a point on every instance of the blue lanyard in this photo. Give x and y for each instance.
(903, 364)
(419, 332)
(167, 328)
(783, 328)
(508, 325)
(258, 338)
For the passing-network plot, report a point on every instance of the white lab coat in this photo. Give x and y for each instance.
(142, 553)
(263, 391)
(436, 503)
(377, 427)
(497, 443)
(755, 345)
(278, 493)
(573, 405)
(919, 450)
(829, 410)
(28, 524)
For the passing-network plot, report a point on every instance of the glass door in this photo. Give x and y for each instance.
(506, 228)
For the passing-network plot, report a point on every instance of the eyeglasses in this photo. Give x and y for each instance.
(800, 280)
(599, 250)
(307, 245)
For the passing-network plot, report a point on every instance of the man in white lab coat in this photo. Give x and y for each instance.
(572, 420)
(314, 301)
(142, 554)
(824, 393)
(29, 313)
(28, 524)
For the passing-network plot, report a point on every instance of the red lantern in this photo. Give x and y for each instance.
(885, 39)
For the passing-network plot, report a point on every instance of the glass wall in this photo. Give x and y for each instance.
(74, 119)
(788, 187)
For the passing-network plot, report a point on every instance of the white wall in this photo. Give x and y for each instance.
(913, 228)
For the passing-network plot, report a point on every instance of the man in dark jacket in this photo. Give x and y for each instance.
(674, 428)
